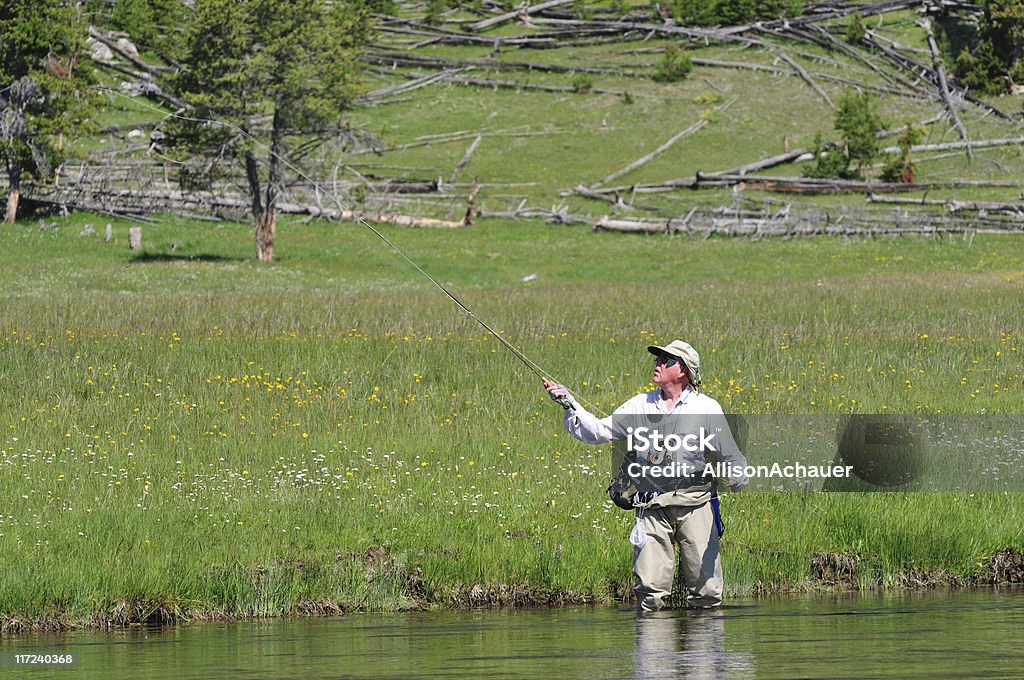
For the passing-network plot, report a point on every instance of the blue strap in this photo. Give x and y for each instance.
(717, 511)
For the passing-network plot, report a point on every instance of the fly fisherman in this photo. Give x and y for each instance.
(667, 432)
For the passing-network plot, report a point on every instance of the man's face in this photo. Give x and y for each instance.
(669, 370)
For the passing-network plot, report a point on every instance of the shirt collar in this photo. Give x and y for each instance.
(682, 397)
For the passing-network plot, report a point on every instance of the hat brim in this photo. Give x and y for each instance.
(658, 351)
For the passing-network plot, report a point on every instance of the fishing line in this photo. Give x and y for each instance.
(516, 352)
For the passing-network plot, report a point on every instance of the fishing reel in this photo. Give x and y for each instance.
(564, 402)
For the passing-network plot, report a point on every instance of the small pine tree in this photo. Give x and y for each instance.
(830, 161)
(692, 12)
(859, 124)
(582, 83)
(674, 66)
(435, 8)
(732, 12)
(857, 120)
(855, 30)
(900, 166)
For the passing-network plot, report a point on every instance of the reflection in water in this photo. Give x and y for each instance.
(687, 644)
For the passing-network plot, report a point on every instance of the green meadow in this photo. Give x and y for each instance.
(186, 433)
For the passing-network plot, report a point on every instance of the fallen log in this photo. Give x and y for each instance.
(553, 216)
(648, 157)
(762, 164)
(114, 47)
(699, 61)
(446, 140)
(517, 85)
(586, 192)
(409, 86)
(816, 186)
(846, 49)
(976, 144)
(380, 57)
(116, 202)
(508, 16)
(944, 87)
(865, 10)
(380, 218)
(702, 35)
(606, 223)
(465, 159)
(953, 205)
(545, 38)
(799, 185)
(761, 228)
(805, 75)
(892, 132)
(143, 84)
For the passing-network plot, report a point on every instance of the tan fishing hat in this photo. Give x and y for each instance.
(681, 350)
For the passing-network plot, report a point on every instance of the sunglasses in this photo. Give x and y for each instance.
(665, 360)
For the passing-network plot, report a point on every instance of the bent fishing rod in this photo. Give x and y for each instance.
(545, 377)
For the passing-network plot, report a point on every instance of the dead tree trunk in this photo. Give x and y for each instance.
(252, 176)
(267, 231)
(266, 227)
(13, 192)
(469, 219)
(264, 216)
(264, 210)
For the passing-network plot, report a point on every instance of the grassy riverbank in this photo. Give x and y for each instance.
(189, 433)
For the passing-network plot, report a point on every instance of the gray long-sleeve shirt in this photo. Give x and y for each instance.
(693, 410)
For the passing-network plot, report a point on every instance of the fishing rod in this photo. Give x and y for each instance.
(545, 376)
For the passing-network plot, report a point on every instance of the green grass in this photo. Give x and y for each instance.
(202, 434)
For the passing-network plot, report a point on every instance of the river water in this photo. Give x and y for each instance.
(975, 634)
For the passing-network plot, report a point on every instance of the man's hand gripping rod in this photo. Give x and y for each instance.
(562, 399)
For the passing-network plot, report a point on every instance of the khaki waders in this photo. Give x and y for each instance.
(693, 528)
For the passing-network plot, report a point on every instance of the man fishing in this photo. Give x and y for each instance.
(668, 433)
